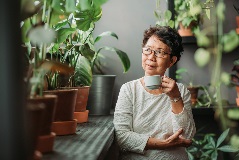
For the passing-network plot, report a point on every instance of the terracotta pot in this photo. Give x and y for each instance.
(64, 122)
(237, 89)
(81, 117)
(64, 127)
(65, 105)
(237, 100)
(81, 114)
(45, 140)
(237, 20)
(34, 117)
(194, 94)
(50, 102)
(185, 31)
(82, 97)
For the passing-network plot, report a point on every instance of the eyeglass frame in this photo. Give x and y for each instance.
(156, 52)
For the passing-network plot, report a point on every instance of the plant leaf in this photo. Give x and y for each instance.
(70, 5)
(107, 33)
(83, 72)
(63, 33)
(227, 148)
(214, 155)
(122, 55)
(222, 137)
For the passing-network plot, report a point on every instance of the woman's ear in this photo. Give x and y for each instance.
(173, 60)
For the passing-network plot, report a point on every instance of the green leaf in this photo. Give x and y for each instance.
(63, 33)
(70, 5)
(86, 17)
(60, 25)
(122, 55)
(98, 3)
(202, 57)
(220, 10)
(212, 142)
(84, 5)
(230, 41)
(202, 39)
(56, 17)
(227, 148)
(214, 155)
(168, 15)
(108, 33)
(222, 137)
(83, 72)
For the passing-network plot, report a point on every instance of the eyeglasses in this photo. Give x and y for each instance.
(159, 53)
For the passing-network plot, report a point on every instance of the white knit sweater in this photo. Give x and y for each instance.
(139, 115)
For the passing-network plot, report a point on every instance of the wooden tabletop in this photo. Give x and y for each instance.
(91, 141)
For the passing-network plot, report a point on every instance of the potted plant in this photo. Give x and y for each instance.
(209, 148)
(73, 35)
(163, 18)
(101, 91)
(189, 15)
(78, 41)
(39, 22)
(188, 80)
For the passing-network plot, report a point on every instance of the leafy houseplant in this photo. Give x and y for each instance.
(77, 45)
(208, 148)
(163, 18)
(34, 23)
(188, 16)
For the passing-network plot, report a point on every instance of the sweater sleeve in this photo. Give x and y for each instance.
(127, 139)
(184, 119)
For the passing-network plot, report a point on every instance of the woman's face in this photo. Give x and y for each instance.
(153, 65)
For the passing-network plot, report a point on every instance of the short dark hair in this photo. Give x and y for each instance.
(167, 35)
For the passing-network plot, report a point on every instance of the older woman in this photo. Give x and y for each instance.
(155, 124)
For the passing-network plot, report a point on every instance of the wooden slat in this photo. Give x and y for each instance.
(91, 141)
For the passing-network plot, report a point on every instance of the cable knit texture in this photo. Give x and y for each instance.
(139, 115)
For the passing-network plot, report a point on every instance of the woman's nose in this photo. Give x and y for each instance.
(152, 56)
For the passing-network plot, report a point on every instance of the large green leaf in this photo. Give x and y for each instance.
(86, 17)
(122, 55)
(83, 73)
(63, 33)
(107, 33)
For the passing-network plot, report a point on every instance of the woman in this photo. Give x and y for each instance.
(155, 124)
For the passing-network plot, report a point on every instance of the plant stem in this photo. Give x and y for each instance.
(217, 71)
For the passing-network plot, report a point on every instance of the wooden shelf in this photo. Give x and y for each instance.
(92, 140)
(189, 40)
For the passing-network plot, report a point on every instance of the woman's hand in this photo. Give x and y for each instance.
(176, 140)
(170, 87)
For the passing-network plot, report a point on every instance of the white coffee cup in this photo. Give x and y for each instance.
(152, 82)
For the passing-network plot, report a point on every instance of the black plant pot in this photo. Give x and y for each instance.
(101, 94)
